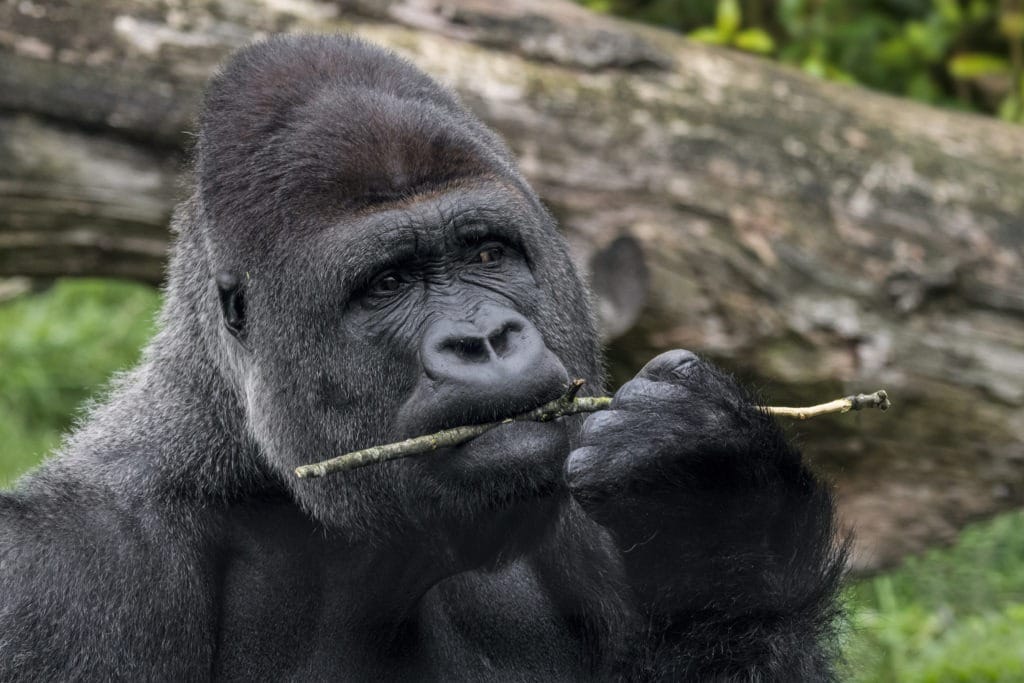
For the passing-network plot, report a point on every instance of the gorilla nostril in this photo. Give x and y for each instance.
(471, 349)
(500, 340)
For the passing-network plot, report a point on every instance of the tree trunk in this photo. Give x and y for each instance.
(816, 238)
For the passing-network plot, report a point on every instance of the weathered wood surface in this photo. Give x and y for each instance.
(818, 239)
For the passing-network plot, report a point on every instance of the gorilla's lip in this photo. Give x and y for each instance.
(505, 429)
(512, 446)
(413, 423)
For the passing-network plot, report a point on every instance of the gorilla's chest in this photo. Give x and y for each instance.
(294, 603)
(495, 626)
(498, 626)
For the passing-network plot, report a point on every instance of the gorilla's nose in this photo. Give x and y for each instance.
(472, 346)
(495, 347)
(493, 365)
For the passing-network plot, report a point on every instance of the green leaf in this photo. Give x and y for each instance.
(968, 65)
(728, 17)
(815, 66)
(930, 39)
(896, 54)
(755, 40)
(708, 34)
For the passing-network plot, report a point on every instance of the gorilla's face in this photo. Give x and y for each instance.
(441, 322)
(396, 277)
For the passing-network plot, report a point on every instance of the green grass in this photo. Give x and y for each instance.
(954, 614)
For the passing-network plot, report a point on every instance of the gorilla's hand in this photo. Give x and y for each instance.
(687, 475)
(674, 429)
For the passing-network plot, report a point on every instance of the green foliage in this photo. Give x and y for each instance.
(57, 349)
(671, 13)
(728, 17)
(968, 65)
(951, 615)
(727, 31)
(961, 53)
(909, 644)
(754, 40)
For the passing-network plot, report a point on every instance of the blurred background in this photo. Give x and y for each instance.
(823, 196)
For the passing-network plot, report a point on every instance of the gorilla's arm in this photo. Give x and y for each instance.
(93, 590)
(726, 538)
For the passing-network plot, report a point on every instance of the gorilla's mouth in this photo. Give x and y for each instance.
(526, 455)
(433, 408)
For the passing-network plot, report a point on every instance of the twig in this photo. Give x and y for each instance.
(565, 405)
(879, 400)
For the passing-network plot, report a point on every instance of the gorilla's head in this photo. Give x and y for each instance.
(383, 271)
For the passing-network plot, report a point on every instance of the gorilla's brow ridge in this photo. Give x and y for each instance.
(425, 228)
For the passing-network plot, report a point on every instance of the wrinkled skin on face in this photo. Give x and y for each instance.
(445, 320)
(362, 262)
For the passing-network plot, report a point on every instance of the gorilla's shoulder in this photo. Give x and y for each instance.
(55, 503)
(71, 510)
(84, 582)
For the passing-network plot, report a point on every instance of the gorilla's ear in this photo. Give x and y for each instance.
(232, 303)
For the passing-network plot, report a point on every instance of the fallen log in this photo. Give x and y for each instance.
(813, 237)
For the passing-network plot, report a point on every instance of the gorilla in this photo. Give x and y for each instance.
(360, 261)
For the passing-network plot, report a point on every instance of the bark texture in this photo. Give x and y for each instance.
(818, 239)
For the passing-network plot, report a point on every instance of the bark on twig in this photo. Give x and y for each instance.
(879, 399)
(565, 405)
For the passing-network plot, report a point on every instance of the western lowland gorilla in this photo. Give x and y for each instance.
(360, 262)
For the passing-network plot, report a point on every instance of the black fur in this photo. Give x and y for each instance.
(361, 261)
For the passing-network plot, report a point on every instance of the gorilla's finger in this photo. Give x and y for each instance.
(593, 472)
(670, 366)
(647, 394)
(602, 424)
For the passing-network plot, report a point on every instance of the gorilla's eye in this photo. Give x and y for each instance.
(386, 283)
(490, 254)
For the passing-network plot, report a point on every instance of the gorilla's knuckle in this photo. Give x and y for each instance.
(592, 476)
(581, 466)
(649, 394)
(601, 425)
(671, 365)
